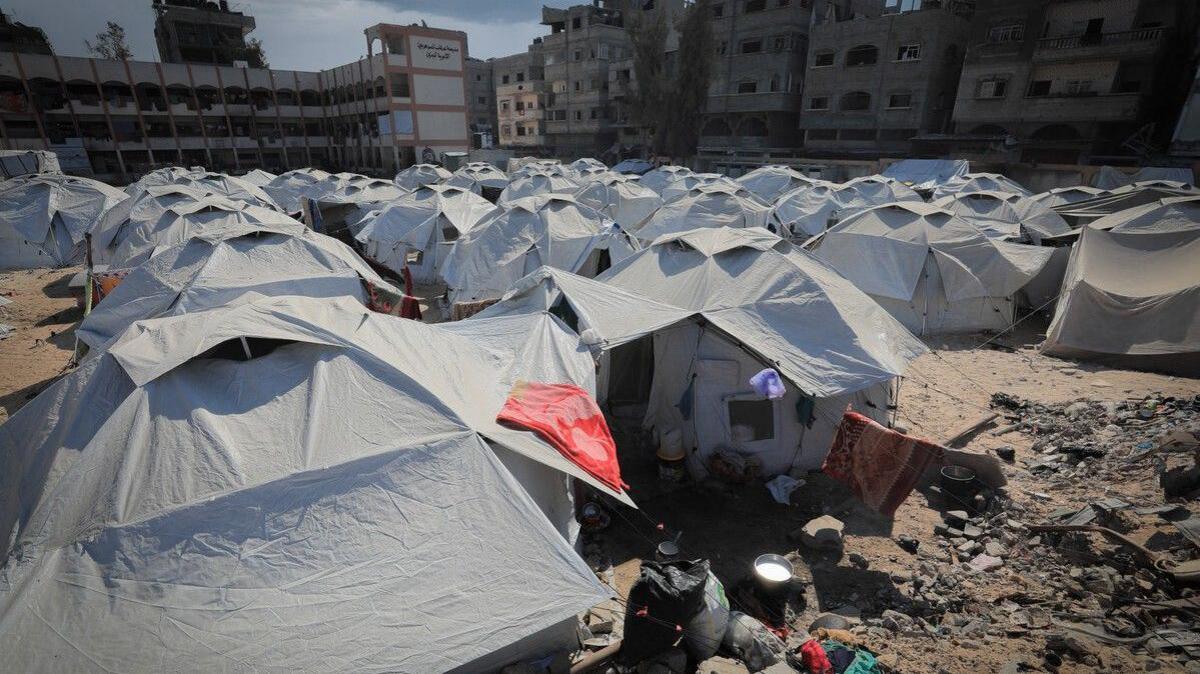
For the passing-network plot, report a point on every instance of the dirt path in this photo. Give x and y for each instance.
(43, 314)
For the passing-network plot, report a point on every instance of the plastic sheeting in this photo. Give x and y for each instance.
(624, 201)
(1006, 215)
(1150, 319)
(320, 507)
(44, 217)
(427, 221)
(896, 252)
(810, 209)
(1108, 178)
(979, 182)
(551, 229)
(1062, 196)
(708, 206)
(657, 179)
(1172, 214)
(477, 175)
(633, 166)
(768, 183)
(227, 268)
(536, 183)
(927, 174)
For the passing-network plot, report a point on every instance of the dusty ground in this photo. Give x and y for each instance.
(732, 525)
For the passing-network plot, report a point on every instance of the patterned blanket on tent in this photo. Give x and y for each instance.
(879, 465)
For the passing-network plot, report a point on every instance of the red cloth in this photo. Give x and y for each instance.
(566, 416)
(878, 464)
(813, 657)
(387, 302)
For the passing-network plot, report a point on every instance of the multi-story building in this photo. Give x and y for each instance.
(200, 31)
(405, 100)
(754, 99)
(17, 37)
(881, 72)
(521, 100)
(481, 103)
(1064, 81)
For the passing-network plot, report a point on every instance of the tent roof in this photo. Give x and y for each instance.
(713, 205)
(979, 182)
(419, 175)
(1168, 214)
(534, 183)
(926, 174)
(1014, 211)
(30, 203)
(807, 209)
(330, 504)
(412, 218)
(768, 183)
(658, 178)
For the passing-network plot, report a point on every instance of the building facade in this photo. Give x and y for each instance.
(521, 100)
(1064, 81)
(200, 31)
(481, 103)
(880, 73)
(405, 101)
(754, 98)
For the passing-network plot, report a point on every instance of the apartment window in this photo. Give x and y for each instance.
(779, 43)
(1079, 87)
(503, 106)
(576, 23)
(774, 86)
(400, 85)
(482, 100)
(862, 55)
(520, 129)
(718, 10)
(749, 87)
(1014, 32)
(818, 103)
(595, 114)
(909, 52)
(520, 106)
(504, 79)
(856, 101)
(578, 85)
(505, 130)
(752, 6)
(723, 47)
(900, 101)
(559, 115)
(579, 115)
(992, 87)
(521, 77)
(578, 55)
(752, 46)
(1039, 88)
(823, 59)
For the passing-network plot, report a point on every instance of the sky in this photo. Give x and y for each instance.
(298, 34)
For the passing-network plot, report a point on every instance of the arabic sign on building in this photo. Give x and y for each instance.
(431, 52)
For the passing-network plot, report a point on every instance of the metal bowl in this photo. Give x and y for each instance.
(768, 581)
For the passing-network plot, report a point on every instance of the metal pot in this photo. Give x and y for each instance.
(772, 572)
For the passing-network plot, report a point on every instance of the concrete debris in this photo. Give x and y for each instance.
(823, 533)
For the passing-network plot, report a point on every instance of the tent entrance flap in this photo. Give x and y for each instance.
(631, 372)
(716, 379)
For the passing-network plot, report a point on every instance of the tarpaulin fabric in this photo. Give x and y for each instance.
(478, 175)
(619, 197)
(420, 175)
(768, 183)
(569, 419)
(708, 205)
(45, 216)
(880, 466)
(809, 209)
(926, 174)
(658, 178)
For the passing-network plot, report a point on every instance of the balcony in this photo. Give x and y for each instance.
(1125, 44)
(776, 101)
(1080, 107)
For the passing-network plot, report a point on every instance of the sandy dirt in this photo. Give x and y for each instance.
(732, 525)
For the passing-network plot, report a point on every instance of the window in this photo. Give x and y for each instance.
(503, 106)
(482, 100)
(992, 87)
(774, 83)
(414, 257)
(579, 115)
(578, 85)
(856, 101)
(1079, 87)
(752, 6)
(752, 46)
(520, 106)
(559, 115)
(1014, 32)
(723, 47)
(1039, 88)
(504, 79)
(578, 55)
(576, 23)
(779, 43)
(818, 103)
(900, 101)
(751, 420)
(862, 55)
(718, 10)
(505, 130)
(909, 52)
(400, 85)
(822, 59)
(747, 87)
(520, 129)
(521, 76)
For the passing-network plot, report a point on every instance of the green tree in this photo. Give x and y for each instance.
(255, 56)
(111, 43)
(648, 35)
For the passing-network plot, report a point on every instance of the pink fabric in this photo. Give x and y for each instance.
(878, 464)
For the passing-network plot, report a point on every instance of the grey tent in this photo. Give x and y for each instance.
(927, 174)
(691, 318)
(658, 178)
(1063, 196)
(810, 209)
(290, 484)
(711, 205)
(979, 182)
(44, 218)
(535, 182)
(768, 183)
(1131, 297)
(481, 178)
(1108, 178)
(620, 198)
(420, 175)
(142, 210)
(1006, 215)
(684, 184)
(225, 266)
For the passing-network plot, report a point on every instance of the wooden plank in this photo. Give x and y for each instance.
(963, 434)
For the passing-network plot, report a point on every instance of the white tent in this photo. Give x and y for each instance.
(551, 229)
(632, 166)
(259, 177)
(142, 209)
(657, 179)
(1006, 215)
(420, 175)
(44, 217)
(230, 187)
(15, 163)
(1119, 199)
(979, 182)
(1060, 196)
(291, 484)
(705, 206)
(587, 163)
(934, 271)
(287, 188)
(184, 220)
(927, 174)
(226, 266)
(810, 209)
(768, 183)
(534, 183)
(481, 178)
(623, 200)
(1131, 296)
(1108, 178)
(686, 183)
(419, 229)
(1171, 214)
(718, 306)
(167, 175)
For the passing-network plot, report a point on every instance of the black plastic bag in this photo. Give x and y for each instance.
(666, 595)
